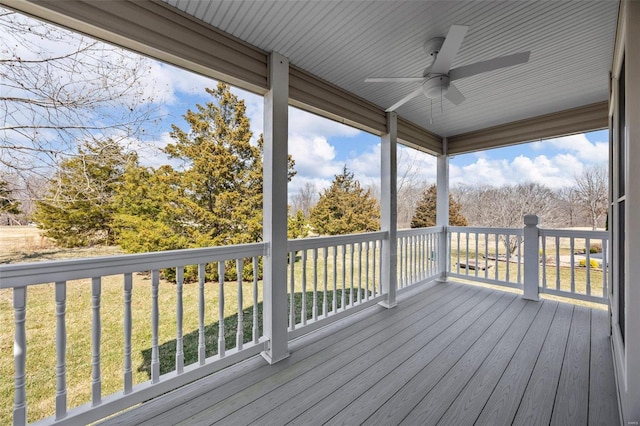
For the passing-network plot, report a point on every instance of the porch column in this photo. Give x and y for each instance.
(442, 211)
(275, 163)
(531, 258)
(389, 211)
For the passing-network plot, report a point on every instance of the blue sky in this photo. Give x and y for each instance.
(321, 147)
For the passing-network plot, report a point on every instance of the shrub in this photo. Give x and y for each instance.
(595, 248)
(592, 263)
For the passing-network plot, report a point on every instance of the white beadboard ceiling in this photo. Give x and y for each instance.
(343, 42)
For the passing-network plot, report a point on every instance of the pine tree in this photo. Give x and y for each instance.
(214, 198)
(345, 208)
(78, 207)
(8, 203)
(425, 214)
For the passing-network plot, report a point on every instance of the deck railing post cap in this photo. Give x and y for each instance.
(531, 220)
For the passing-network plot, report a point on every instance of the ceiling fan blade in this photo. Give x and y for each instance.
(406, 99)
(490, 65)
(393, 79)
(454, 95)
(449, 49)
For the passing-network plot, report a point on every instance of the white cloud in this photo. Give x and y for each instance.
(555, 172)
(314, 156)
(578, 145)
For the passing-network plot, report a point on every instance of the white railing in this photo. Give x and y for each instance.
(490, 255)
(570, 263)
(574, 264)
(228, 261)
(417, 255)
(329, 276)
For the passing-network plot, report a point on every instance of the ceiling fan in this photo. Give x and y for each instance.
(437, 77)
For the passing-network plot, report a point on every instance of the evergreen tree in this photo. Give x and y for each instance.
(78, 207)
(345, 208)
(425, 214)
(213, 199)
(297, 226)
(8, 204)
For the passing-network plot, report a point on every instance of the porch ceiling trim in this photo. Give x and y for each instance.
(161, 31)
(576, 120)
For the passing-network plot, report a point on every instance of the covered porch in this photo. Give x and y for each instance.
(385, 337)
(449, 354)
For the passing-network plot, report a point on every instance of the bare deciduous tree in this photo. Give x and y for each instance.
(306, 197)
(592, 188)
(58, 89)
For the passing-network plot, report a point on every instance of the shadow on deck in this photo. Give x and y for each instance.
(447, 354)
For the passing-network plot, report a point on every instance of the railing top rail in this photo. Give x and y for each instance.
(485, 230)
(420, 231)
(573, 233)
(24, 274)
(335, 240)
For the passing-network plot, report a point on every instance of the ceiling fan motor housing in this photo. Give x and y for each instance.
(436, 86)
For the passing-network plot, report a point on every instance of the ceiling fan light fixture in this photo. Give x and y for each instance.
(436, 86)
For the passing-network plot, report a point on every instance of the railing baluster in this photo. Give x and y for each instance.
(61, 350)
(557, 241)
(508, 239)
(343, 299)
(352, 256)
(221, 340)
(335, 279)
(240, 328)
(573, 264)
(476, 269)
(314, 310)
(256, 336)
(466, 252)
(458, 249)
(359, 245)
(519, 242)
(155, 358)
(20, 355)
(303, 314)
(588, 265)
(96, 330)
(544, 262)
(202, 350)
(496, 237)
(292, 291)
(179, 315)
(486, 255)
(373, 269)
(366, 268)
(325, 256)
(127, 324)
(605, 256)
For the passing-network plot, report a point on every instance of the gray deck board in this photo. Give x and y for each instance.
(503, 403)
(602, 385)
(536, 405)
(571, 406)
(449, 354)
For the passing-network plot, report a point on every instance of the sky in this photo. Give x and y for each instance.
(321, 147)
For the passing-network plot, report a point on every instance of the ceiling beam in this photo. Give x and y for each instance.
(562, 123)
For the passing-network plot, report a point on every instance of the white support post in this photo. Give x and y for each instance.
(389, 211)
(275, 172)
(442, 211)
(531, 257)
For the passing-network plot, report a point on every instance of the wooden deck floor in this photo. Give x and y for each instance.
(453, 354)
